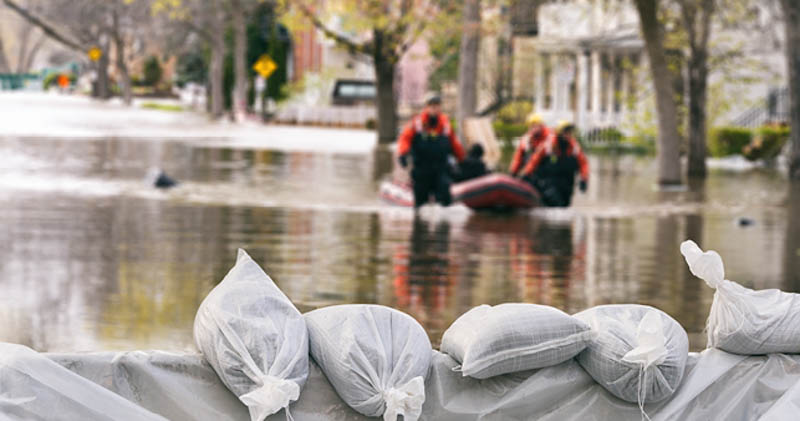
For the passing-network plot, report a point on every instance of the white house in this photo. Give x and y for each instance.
(588, 64)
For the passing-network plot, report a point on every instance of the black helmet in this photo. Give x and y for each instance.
(433, 99)
(476, 151)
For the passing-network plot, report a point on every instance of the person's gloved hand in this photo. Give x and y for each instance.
(403, 160)
(583, 186)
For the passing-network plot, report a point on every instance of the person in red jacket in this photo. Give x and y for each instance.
(553, 165)
(429, 141)
(536, 135)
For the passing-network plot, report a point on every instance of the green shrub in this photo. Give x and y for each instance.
(371, 124)
(725, 141)
(514, 112)
(605, 135)
(152, 72)
(508, 131)
(767, 143)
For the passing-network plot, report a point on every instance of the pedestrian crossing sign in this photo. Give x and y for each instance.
(265, 66)
(94, 53)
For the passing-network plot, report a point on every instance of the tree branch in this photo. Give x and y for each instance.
(49, 30)
(364, 48)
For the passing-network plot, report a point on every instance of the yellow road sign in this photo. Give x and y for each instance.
(94, 53)
(265, 66)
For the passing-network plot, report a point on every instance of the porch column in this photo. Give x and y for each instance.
(610, 88)
(624, 88)
(555, 88)
(539, 82)
(581, 85)
(596, 88)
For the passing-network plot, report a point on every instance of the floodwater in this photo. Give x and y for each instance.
(92, 258)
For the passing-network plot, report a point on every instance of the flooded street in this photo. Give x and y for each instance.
(94, 259)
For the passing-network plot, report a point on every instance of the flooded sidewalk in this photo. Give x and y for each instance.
(50, 115)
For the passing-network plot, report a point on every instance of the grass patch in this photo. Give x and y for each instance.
(162, 107)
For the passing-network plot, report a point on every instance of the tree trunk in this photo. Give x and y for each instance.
(698, 81)
(384, 62)
(101, 88)
(122, 68)
(697, 21)
(215, 71)
(239, 95)
(468, 64)
(668, 155)
(3, 61)
(791, 13)
(216, 77)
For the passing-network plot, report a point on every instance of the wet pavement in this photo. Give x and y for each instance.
(93, 258)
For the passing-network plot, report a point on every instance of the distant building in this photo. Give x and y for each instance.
(585, 62)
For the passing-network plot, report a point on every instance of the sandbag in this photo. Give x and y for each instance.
(254, 338)
(744, 321)
(507, 338)
(375, 357)
(638, 354)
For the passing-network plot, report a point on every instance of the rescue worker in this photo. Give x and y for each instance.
(536, 135)
(472, 166)
(429, 141)
(553, 165)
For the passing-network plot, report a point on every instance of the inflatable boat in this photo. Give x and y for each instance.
(492, 191)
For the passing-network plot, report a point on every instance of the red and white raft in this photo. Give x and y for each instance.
(492, 191)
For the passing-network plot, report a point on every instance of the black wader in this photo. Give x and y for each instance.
(431, 173)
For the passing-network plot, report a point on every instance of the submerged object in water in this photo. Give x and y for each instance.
(159, 179)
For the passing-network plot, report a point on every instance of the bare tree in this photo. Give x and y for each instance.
(468, 62)
(791, 23)
(668, 153)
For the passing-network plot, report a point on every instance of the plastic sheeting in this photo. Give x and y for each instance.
(717, 385)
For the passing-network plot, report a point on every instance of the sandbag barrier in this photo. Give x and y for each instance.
(510, 361)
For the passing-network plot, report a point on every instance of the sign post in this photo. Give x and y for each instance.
(265, 66)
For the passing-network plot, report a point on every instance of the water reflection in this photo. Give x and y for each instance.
(94, 259)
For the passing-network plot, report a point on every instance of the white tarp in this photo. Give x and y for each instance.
(717, 385)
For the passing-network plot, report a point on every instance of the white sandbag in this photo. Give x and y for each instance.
(744, 321)
(513, 337)
(254, 338)
(638, 354)
(376, 358)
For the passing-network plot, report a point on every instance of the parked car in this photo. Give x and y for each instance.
(354, 92)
